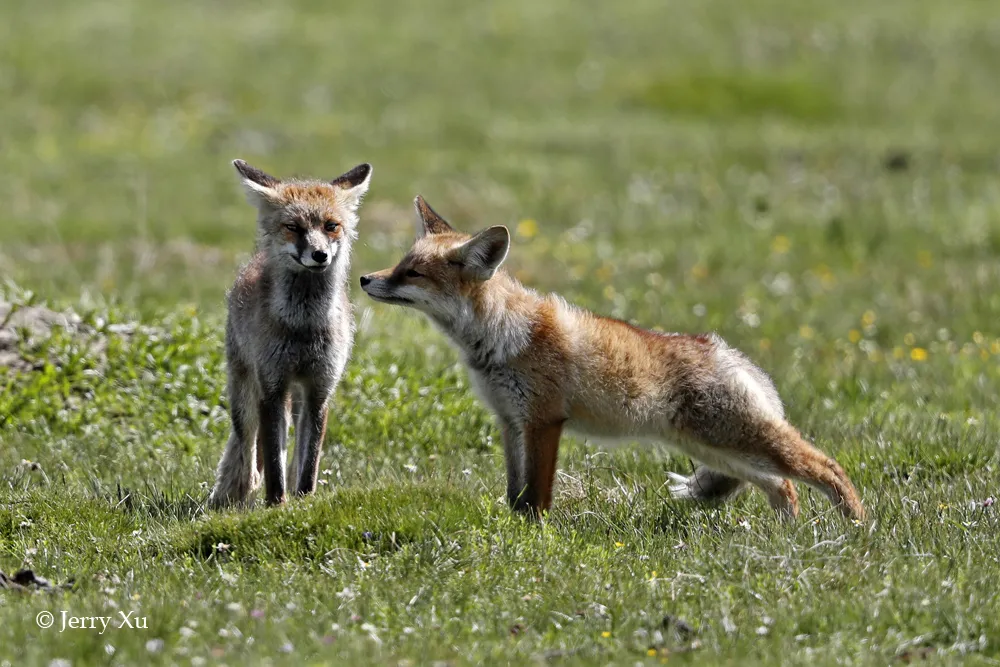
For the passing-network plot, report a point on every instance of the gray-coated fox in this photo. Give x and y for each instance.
(543, 365)
(289, 331)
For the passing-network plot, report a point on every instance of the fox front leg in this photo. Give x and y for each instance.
(513, 452)
(309, 438)
(271, 441)
(538, 449)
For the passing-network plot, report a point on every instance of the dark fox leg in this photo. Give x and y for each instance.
(513, 453)
(541, 446)
(295, 417)
(309, 438)
(271, 438)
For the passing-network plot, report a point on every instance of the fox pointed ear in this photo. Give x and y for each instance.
(428, 221)
(353, 185)
(260, 187)
(483, 254)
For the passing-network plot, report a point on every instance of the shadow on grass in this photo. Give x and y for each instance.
(377, 520)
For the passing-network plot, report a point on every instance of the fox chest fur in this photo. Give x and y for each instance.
(306, 320)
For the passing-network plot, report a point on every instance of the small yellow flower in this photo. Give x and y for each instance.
(918, 354)
(780, 245)
(651, 653)
(825, 275)
(909, 339)
(653, 576)
(978, 338)
(854, 335)
(807, 332)
(619, 545)
(995, 347)
(527, 228)
(605, 634)
(868, 318)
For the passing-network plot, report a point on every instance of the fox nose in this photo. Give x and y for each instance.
(319, 256)
(365, 280)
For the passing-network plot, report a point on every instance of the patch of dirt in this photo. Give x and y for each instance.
(23, 327)
(28, 324)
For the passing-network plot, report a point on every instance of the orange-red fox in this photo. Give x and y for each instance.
(543, 365)
(290, 330)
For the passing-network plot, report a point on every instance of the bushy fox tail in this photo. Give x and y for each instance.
(802, 461)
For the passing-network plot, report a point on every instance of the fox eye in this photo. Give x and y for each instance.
(292, 227)
(331, 226)
(414, 274)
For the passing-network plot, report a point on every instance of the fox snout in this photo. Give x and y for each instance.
(317, 259)
(377, 285)
(313, 251)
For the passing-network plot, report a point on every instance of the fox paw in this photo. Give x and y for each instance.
(680, 487)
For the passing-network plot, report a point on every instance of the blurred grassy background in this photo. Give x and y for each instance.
(673, 139)
(818, 182)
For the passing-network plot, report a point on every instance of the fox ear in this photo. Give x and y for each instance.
(428, 221)
(353, 185)
(483, 254)
(260, 187)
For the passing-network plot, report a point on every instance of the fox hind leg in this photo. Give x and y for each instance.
(239, 471)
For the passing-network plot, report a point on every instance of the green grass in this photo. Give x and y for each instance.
(692, 166)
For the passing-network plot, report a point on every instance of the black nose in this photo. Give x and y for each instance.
(319, 256)
(365, 280)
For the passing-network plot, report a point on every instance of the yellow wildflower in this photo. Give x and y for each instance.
(918, 354)
(527, 228)
(780, 245)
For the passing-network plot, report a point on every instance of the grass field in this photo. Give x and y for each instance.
(817, 182)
